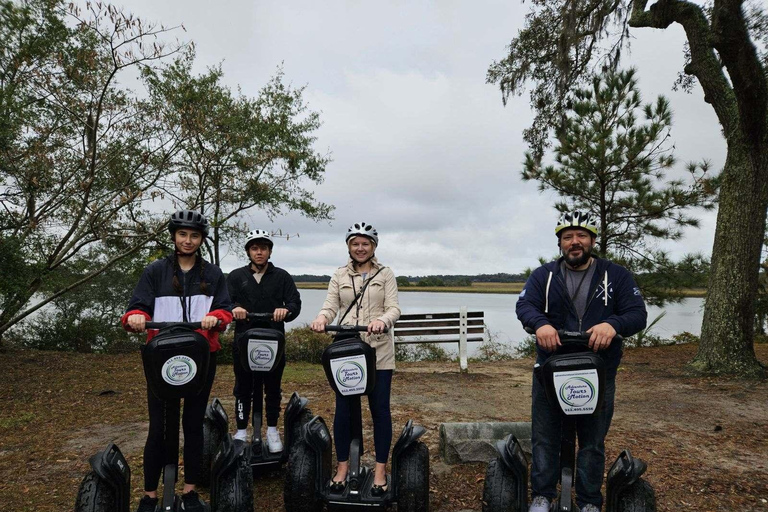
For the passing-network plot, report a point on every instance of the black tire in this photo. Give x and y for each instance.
(211, 440)
(304, 417)
(639, 497)
(301, 479)
(413, 479)
(499, 490)
(95, 495)
(235, 490)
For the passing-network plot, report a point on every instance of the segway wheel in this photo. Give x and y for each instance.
(234, 493)
(499, 489)
(413, 479)
(639, 497)
(211, 441)
(95, 495)
(301, 478)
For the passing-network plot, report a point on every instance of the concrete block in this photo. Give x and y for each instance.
(476, 441)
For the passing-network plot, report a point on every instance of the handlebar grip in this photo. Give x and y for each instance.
(266, 316)
(562, 333)
(163, 325)
(348, 328)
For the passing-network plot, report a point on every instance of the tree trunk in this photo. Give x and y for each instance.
(727, 330)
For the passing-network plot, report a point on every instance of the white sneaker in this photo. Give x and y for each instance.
(539, 504)
(273, 442)
(241, 435)
(590, 508)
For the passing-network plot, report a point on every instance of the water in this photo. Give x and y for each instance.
(500, 316)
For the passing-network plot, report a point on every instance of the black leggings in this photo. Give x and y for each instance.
(253, 386)
(158, 452)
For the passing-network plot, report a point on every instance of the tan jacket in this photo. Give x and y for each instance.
(379, 302)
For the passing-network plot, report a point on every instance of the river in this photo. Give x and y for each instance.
(500, 312)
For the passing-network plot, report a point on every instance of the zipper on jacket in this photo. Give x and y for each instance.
(573, 306)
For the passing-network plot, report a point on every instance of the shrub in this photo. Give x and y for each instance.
(304, 344)
(421, 352)
(493, 350)
(684, 337)
(527, 347)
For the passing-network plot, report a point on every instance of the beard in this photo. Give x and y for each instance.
(577, 261)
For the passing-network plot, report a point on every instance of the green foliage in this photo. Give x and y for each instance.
(421, 352)
(238, 153)
(611, 155)
(647, 339)
(304, 344)
(527, 347)
(403, 282)
(430, 281)
(493, 350)
(684, 337)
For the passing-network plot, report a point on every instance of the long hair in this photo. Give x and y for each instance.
(176, 269)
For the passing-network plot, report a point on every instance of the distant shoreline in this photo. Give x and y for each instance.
(506, 288)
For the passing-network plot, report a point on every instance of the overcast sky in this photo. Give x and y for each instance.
(422, 147)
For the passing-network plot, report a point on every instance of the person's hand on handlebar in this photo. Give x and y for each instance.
(319, 323)
(137, 323)
(547, 338)
(376, 327)
(602, 336)
(209, 322)
(279, 314)
(239, 313)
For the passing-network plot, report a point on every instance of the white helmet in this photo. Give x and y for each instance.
(362, 229)
(576, 219)
(258, 234)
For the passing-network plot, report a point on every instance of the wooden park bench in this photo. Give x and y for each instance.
(460, 327)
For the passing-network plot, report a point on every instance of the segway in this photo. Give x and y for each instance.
(573, 379)
(175, 365)
(350, 366)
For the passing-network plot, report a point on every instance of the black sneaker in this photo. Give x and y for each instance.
(147, 504)
(191, 502)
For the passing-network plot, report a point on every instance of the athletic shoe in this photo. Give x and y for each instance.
(590, 508)
(191, 502)
(147, 504)
(241, 435)
(273, 442)
(539, 504)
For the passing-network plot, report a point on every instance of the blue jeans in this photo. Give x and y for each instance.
(378, 402)
(590, 459)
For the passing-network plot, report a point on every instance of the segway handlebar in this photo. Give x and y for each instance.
(260, 316)
(349, 328)
(575, 336)
(165, 325)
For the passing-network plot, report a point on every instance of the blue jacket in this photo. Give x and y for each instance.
(615, 299)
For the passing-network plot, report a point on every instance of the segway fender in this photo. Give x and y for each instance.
(625, 471)
(410, 435)
(513, 457)
(226, 458)
(295, 405)
(111, 467)
(218, 416)
(316, 434)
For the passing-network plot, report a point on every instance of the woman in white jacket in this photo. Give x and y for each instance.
(379, 310)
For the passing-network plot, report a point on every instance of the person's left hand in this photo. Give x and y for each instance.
(208, 322)
(376, 327)
(602, 336)
(279, 314)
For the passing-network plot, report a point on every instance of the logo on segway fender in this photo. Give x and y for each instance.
(577, 392)
(350, 374)
(261, 355)
(179, 370)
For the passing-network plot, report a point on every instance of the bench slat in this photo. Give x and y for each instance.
(473, 339)
(436, 316)
(436, 332)
(408, 324)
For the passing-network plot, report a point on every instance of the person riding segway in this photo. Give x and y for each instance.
(264, 298)
(573, 379)
(579, 292)
(180, 288)
(367, 293)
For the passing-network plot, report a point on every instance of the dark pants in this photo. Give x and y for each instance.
(252, 386)
(545, 442)
(378, 402)
(159, 451)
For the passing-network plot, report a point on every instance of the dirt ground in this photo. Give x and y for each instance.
(704, 439)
